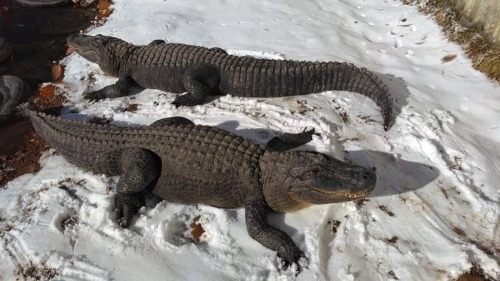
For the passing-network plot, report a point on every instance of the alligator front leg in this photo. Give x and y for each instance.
(288, 141)
(140, 170)
(256, 213)
(119, 89)
(199, 82)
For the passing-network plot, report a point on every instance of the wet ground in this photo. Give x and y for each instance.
(38, 36)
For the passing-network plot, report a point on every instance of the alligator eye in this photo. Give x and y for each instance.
(316, 169)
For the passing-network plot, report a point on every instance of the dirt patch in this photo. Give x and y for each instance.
(476, 273)
(393, 240)
(196, 229)
(361, 202)
(448, 58)
(303, 107)
(392, 275)
(132, 107)
(386, 210)
(459, 231)
(481, 49)
(20, 150)
(31, 272)
(334, 225)
(48, 96)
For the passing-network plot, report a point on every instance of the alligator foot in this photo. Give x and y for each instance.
(288, 141)
(94, 96)
(119, 89)
(140, 169)
(127, 205)
(185, 100)
(289, 256)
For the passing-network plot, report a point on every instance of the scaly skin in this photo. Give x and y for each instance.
(186, 163)
(201, 72)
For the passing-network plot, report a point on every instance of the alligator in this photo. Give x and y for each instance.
(185, 163)
(202, 72)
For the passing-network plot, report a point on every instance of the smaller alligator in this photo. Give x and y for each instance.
(202, 72)
(188, 164)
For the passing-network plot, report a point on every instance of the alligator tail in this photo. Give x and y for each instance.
(276, 78)
(348, 77)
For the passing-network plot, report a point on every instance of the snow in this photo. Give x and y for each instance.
(435, 210)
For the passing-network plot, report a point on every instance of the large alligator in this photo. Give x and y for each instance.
(201, 72)
(186, 163)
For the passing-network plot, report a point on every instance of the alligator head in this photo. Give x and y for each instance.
(108, 52)
(296, 179)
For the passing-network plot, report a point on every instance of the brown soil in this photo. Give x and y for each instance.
(196, 229)
(478, 46)
(20, 150)
(474, 274)
(32, 272)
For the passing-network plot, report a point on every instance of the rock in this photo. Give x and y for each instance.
(84, 3)
(57, 71)
(54, 20)
(13, 91)
(103, 5)
(42, 3)
(5, 49)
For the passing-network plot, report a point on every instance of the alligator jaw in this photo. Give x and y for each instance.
(316, 196)
(348, 194)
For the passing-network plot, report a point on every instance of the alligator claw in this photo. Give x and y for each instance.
(184, 100)
(93, 96)
(127, 205)
(290, 257)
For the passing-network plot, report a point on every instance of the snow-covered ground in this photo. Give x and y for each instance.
(435, 210)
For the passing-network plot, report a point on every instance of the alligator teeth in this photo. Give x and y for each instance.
(349, 195)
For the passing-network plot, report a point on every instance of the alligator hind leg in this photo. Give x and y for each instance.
(119, 89)
(156, 42)
(199, 82)
(139, 170)
(178, 120)
(288, 141)
(219, 50)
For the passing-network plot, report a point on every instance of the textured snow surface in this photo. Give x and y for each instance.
(435, 210)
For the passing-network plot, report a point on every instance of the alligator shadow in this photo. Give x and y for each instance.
(256, 135)
(399, 91)
(394, 174)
